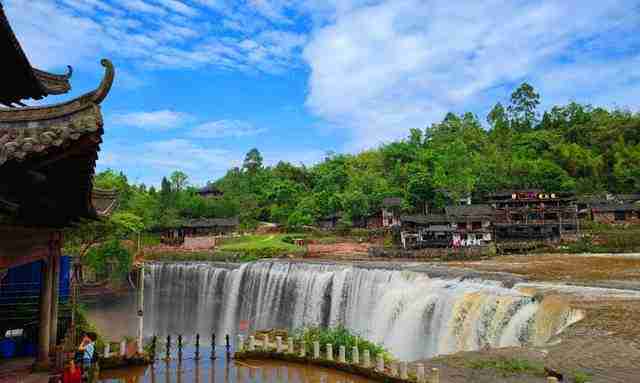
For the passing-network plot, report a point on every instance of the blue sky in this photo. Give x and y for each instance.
(200, 82)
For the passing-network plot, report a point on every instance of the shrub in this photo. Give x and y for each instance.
(108, 252)
(339, 336)
(509, 366)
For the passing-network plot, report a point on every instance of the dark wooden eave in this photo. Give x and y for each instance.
(20, 81)
(48, 155)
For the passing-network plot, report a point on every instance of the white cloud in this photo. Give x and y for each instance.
(225, 128)
(160, 120)
(379, 70)
(142, 6)
(160, 158)
(156, 34)
(180, 7)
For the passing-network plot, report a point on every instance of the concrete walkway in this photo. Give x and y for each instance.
(18, 370)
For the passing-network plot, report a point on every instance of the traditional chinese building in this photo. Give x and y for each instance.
(391, 211)
(181, 231)
(616, 213)
(524, 215)
(47, 160)
(460, 226)
(210, 191)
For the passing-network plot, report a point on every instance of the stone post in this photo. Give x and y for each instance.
(240, 346)
(44, 331)
(329, 351)
(420, 373)
(123, 348)
(252, 343)
(355, 355)
(303, 350)
(404, 374)
(435, 375)
(366, 356)
(290, 348)
(316, 350)
(379, 363)
(265, 344)
(279, 344)
(107, 350)
(342, 354)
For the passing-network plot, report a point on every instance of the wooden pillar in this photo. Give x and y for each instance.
(55, 293)
(44, 331)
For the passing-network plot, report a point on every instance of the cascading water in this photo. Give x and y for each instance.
(413, 315)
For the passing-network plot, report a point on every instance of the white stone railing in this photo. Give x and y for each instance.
(396, 371)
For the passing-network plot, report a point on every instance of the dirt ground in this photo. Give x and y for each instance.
(338, 251)
(562, 268)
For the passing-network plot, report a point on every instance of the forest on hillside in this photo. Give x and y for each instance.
(574, 147)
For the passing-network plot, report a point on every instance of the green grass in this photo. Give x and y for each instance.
(507, 367)
(581, 377)
(262, 246)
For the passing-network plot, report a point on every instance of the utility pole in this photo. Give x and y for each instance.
(140, 307)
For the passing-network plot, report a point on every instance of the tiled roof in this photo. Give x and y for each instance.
(469, 211)
(613, 207)
(392, 201)
(209, 222)
(423, 219)
(19, 79)
(48, 155)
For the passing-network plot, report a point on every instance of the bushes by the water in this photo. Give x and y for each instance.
(339, 336)
(206, 256)
(109, 253)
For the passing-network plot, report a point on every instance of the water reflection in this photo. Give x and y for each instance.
(224, 370)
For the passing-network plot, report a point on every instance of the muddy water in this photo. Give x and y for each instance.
(223, 370)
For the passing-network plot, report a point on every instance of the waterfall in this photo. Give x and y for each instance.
(413, 315)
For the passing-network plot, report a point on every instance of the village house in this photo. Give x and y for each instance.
(391, 211)
(460, 226)
(189, 232)
(47, 160)
(610, 208)
(210, 191)
(616, 213)
(426, 231)
(534, 215)
(473, 224)
(329, 222)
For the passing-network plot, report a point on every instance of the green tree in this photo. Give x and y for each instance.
(522, 108)
(179, 180)
(252, 161)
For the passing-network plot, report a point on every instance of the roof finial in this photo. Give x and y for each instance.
(105, 86)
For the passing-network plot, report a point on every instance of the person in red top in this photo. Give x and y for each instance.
(72, 374)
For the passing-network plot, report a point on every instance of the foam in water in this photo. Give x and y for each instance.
(413, 315)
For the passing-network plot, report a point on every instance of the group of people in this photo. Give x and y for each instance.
(77, 371)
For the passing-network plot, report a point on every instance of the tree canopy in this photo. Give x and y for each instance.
(573, 147)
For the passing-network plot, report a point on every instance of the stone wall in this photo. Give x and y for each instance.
(199, 243)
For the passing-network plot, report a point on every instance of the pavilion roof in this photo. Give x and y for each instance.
(48, 153)
(21, 81)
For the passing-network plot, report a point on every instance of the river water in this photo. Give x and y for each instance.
(224, 370)
(413, 315)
